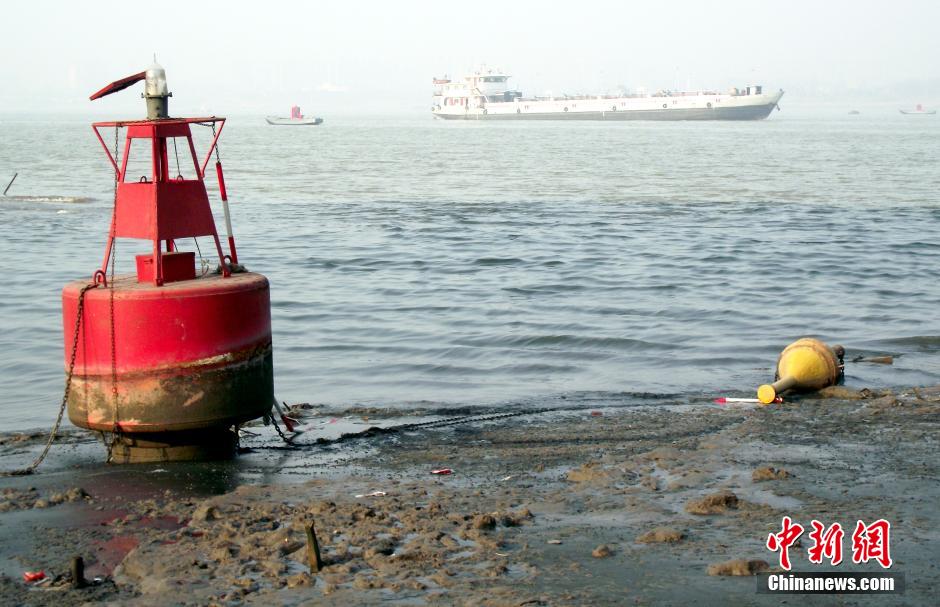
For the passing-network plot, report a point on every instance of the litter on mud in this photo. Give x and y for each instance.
(33, 576)
(729, 401)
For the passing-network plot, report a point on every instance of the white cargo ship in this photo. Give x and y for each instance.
(486, 95)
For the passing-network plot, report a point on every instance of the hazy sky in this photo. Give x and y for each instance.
(259, 57)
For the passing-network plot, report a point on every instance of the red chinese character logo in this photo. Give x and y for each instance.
(872, 542)
(828, 544)
(782, 541)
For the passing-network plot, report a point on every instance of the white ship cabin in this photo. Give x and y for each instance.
(474, 91)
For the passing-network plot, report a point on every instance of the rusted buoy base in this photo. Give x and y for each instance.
(200, 445)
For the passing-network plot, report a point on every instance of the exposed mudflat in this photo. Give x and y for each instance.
(660, 503)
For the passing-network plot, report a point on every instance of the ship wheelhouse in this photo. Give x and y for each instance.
(492, 86)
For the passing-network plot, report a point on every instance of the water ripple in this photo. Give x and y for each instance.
(415, 262)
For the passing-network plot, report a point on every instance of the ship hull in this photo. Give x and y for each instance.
(750, 112)
(294, 121)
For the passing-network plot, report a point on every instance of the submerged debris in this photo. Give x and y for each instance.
(373, 494)
(877, 360)
(716, 503)
(769, 473)
(661, 535)
(24, 499)
(592, 471)
(739, 567)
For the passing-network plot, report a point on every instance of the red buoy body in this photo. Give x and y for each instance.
(167, 361)
(190, 355)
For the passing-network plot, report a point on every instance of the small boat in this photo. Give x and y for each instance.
(918, 111)
(296, 119)
(854, 113)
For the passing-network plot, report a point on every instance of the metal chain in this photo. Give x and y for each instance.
(68, 388)
(280, 433)
(179, 171)
(453, 421)
(202, 262)
(115, 429)
(218, 158)
(440, 423)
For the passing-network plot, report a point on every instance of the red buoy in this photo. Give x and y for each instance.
(168, 361)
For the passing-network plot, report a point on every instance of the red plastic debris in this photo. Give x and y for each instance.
(34, 576)
(596, 413)
(442, 471)
(289, 422)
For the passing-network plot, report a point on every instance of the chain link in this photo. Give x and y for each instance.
(218, 157)
(79, 311)
(115, 429)
(277, 428)
(179, 171)
(440, 423)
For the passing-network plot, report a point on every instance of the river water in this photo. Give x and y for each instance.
(415, 262)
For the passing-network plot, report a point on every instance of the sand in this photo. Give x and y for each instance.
(663, 504)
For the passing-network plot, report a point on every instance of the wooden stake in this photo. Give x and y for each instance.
(313, 550)
(78, 572)
(9, 184)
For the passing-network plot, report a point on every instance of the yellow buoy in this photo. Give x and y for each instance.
(805, 365)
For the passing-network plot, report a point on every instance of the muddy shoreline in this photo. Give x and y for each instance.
(597, 505)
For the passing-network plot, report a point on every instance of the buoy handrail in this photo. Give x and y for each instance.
(204, 121)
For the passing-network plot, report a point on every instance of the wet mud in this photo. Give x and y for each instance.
(664, 503)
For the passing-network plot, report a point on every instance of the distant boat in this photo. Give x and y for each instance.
(854, 113)
(296, 119)
(918, 111)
